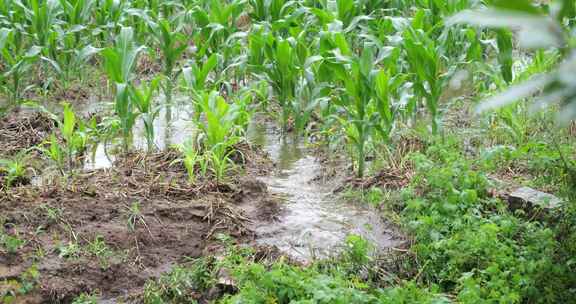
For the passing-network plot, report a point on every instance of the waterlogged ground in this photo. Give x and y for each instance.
(170, 127)
(77, 234)
(313, 222)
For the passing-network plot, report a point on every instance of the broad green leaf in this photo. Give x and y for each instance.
(516, 93)
(534, 31)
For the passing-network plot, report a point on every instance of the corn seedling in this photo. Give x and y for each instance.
(356, 98)
(425, 65)
(172, 45)
(220, 131)
(120, 59)
(67, 60)
(15, 169)
(55, 151)
(143, 98)
(283, 72)
(192, 159)
(216, 20)
(73, 134)
(41, 16)
(17, 62)
(70, 142)
(196, 76)
(119, 65)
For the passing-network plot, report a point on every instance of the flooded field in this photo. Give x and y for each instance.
(313, 222)
(282, 205)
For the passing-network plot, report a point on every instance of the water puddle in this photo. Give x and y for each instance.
(314, 223)
(169, 130)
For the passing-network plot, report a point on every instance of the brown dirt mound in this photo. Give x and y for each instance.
(19, 132)
(111, 230)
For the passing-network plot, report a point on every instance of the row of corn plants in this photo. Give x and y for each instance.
(361, 68)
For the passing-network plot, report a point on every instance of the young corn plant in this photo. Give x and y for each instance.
(68, 143)
(387, 89)
(55, 151)
(426, 67)
(69, 44)
(73, 132)
(142, 97)
(67, 57)
(120, 59)
(193, 158)
(17, 62)
(356, 98)
(216, 20)
(283, 73)
(125, 110)
(109, 15)
(41, 17)
(77, 12)
(119, 62)
(196, 79)
(172, 44)
(220, 132)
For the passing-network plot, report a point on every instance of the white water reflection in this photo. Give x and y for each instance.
(314, 223)
(169, 130)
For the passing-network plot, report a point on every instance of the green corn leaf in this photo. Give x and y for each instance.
(522, 6)
(209, 66)
(516, 93)
(505, 48)
(69, 122)
(112, 65)
(534, 31)
(568, 9)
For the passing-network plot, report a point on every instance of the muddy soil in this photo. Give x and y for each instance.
(23, 130)
(119, 222)
(109, 231)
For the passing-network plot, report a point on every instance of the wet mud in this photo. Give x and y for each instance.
(312, 222)
(109, 231)
(124, 219)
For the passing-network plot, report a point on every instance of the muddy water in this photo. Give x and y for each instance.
(314, 223)
(172, 126)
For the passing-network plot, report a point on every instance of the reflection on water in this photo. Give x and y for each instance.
(314, 222)
(171, 126)
(284, 150)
